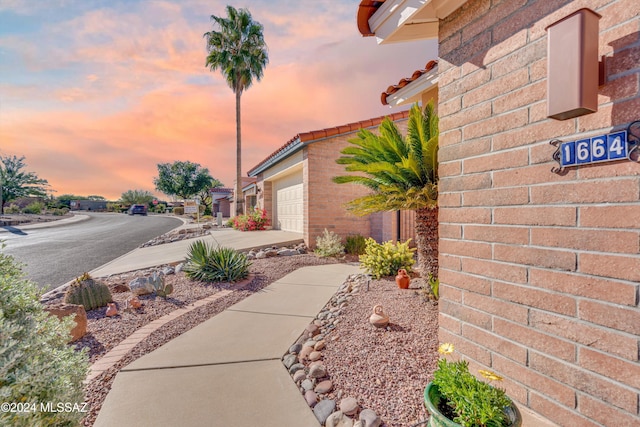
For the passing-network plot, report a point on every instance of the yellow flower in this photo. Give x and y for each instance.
(490, 375)
(446, 348)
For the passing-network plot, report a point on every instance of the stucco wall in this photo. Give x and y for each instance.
(539, 272)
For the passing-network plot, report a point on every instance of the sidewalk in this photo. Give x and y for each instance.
(167, 253)
(227, 372)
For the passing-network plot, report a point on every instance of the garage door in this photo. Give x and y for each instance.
(289, 214)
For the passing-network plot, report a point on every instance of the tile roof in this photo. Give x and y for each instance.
(302, 139)
(404, 82)
(365, 10)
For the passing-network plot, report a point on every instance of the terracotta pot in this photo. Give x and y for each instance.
(403, 279)
(134, 302)
(379, 318)
(112, 310)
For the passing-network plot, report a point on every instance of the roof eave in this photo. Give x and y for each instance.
(412, 92)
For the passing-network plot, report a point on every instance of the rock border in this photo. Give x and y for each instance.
(304, 363)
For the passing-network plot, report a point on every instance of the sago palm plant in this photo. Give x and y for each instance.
(402, 173)
(215, 264)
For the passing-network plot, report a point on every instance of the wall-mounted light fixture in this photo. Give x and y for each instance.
(572, 65)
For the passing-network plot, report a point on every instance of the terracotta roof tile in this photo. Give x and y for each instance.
(365, 10)
(328, 132)
(403, 82)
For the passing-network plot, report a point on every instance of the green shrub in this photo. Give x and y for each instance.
(88, 293)
(230, 222)
(12, 209)
(434, 285)
(178, 210)
(60, 211)
(36, 364)
(387, 258)
(33, 208)
(328, 244)
(355, 244)
(160, 208)
(215, 264)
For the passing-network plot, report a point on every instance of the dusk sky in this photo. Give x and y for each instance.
(96, 93)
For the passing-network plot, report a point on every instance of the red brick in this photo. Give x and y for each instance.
(587, 240)
(538, 69)
(614, 266)
(536, 174)
(500, 234)
(465, 248)
(622, 216)
(547, 215)
(503, 48)
(580, 285)
(449, 200)
(542, 152)
(619, 12)
(495, 343)
(600, 191)
(449, 231)
(449, 106)
(450, 293)
(449, 169)
(496, 124)
(494, 88)
(449, 137)
(449, 262)
(469, 349)
(613, 316)
(465, 215)
(538, 298)
(518, 98)
(466, 281)
(449, 323)
(606, 414)
(561, 415)
(496, 161)
(463, 17)
(585, 381)
(498, 13)
(460, 86)
(622, 168)
(465, 314)
(507, 310)
(617, 369)
(588, 335)
(466, 116)
(464, 183)
(535, 132)
(497, 197)
(521, 59)
(465, 149)
(496, 270)
(533, 380)
(549, 258)
(531, 338)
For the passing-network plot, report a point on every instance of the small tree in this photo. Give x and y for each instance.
(136, 197)
(15, 183)
(36, 364)
(183, 179)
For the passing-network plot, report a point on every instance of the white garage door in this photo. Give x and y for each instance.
(289, 201)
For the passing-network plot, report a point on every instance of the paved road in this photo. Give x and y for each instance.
(55, 255)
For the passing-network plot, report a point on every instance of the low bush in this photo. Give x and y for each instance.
(34, 208)
(215, 264)
(178, 210)
(60, 211)
(387, 258)
(12, 209)
(36, 364)
(329, 244)
(355, 244)
(256, 219)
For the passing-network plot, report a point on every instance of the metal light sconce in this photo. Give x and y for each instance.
(573, 71)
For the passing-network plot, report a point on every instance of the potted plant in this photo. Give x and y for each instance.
(457, 398)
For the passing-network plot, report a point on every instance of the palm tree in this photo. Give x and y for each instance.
(402, 174)
(236, 46)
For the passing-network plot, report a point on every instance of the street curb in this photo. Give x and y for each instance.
(55, 223)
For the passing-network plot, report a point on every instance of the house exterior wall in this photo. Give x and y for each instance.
(539, 272)
(324, 200)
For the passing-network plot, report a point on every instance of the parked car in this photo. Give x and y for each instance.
(137, 209)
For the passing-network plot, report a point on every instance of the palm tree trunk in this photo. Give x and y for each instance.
(427, 240)
(239, 197)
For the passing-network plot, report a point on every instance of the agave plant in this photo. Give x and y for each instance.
(215, 264)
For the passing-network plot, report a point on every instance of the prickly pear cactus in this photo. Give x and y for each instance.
(88, 293)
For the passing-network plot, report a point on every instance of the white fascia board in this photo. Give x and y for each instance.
(408, 20)
(411, 92)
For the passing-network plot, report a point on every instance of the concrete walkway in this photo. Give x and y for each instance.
(153, 256)
(227, 372)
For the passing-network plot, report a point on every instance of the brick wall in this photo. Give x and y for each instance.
(539, 272)
(325, 200)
